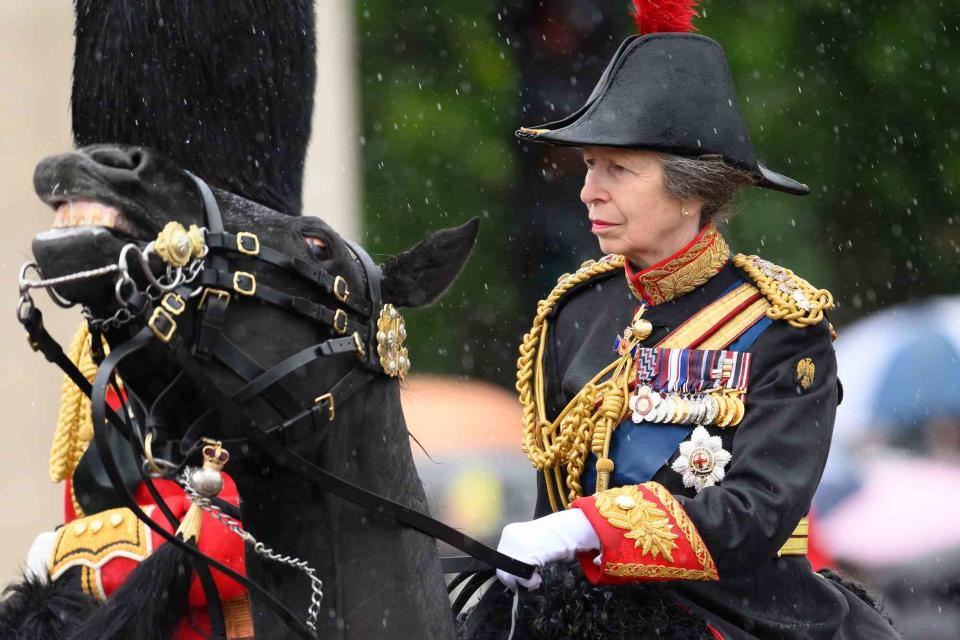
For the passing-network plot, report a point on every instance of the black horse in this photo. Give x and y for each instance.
(381, 579)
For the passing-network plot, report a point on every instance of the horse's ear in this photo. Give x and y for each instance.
(419, 275)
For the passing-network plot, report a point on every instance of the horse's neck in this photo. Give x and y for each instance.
(381, 580)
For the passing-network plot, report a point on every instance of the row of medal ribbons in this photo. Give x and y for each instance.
(690, 386)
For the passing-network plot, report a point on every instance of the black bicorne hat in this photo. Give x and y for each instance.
(667, 92)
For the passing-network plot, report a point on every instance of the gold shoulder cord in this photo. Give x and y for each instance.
(588, 421)
(792, 298)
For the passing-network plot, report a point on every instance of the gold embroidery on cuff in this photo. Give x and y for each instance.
(707, 570)
(646, 524)
(628, 570)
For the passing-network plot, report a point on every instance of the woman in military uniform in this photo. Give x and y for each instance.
(679, 398)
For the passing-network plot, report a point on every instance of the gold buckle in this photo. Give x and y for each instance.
(341, 296)
(245, 235)
(164, 335)
(219, 293)
(248, 291)
(329, 398)
(361, 350)
(340, 319)
(174, 303)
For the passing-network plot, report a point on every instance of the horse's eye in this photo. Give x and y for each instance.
(318, 247)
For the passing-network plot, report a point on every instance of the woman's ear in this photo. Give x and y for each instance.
(419, 275)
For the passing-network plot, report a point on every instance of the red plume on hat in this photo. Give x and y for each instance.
(654, 16)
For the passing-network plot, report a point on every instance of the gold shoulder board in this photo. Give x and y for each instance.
(791, 298)
(95, 540)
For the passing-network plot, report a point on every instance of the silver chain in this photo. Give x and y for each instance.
(316, 585)
(118, 319)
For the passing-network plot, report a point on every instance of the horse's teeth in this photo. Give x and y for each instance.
(85, 212)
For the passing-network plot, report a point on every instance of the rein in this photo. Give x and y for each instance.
(193, 334)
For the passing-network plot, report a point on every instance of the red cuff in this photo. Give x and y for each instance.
(645, 535)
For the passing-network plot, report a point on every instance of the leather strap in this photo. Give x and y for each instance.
(338, 319)
(341, 488)
(211, 317)
(323, 409)
(293, 363)
(232, 357)
(374, 276)
(306, 269)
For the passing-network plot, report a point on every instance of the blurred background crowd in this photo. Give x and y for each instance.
(417, 104)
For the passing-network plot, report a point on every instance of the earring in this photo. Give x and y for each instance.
(685, 212)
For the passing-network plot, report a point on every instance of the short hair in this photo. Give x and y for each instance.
(708, 179)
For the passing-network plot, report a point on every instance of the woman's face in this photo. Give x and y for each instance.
(630, 211)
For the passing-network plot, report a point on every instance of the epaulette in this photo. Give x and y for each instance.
(589, 271)
(791, 298)
(93, 541)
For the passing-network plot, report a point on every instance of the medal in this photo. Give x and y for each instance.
(662, 410)
(710, 409)
(669, 409)
(702, 460)
(701, 410)
(729, 412)
(739, 410)
(642, 404)
(721, 408)
(681, 414)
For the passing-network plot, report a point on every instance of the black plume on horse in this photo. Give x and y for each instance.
(225, 89)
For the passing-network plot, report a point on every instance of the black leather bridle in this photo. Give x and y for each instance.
(194, 334)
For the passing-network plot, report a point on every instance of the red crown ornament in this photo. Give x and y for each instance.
(655, 16)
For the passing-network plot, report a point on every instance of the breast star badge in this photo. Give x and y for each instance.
(702, 460)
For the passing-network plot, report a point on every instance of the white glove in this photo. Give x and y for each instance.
(38, 558)
(551, 538)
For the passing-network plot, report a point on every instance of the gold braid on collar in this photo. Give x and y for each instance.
(682, 272)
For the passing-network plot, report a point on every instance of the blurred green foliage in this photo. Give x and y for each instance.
(437, 86)
(859, 99)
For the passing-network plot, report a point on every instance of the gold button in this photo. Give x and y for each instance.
(96, 525)
(116, 519)
(625, 502)
(79, 528)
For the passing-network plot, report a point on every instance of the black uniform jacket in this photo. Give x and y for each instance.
(778, 454)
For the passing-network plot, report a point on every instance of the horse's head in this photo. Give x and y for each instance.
(109, 196)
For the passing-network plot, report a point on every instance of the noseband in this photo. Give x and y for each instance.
(192, 334)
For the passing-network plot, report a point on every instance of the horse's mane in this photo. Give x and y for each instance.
(239, 117)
